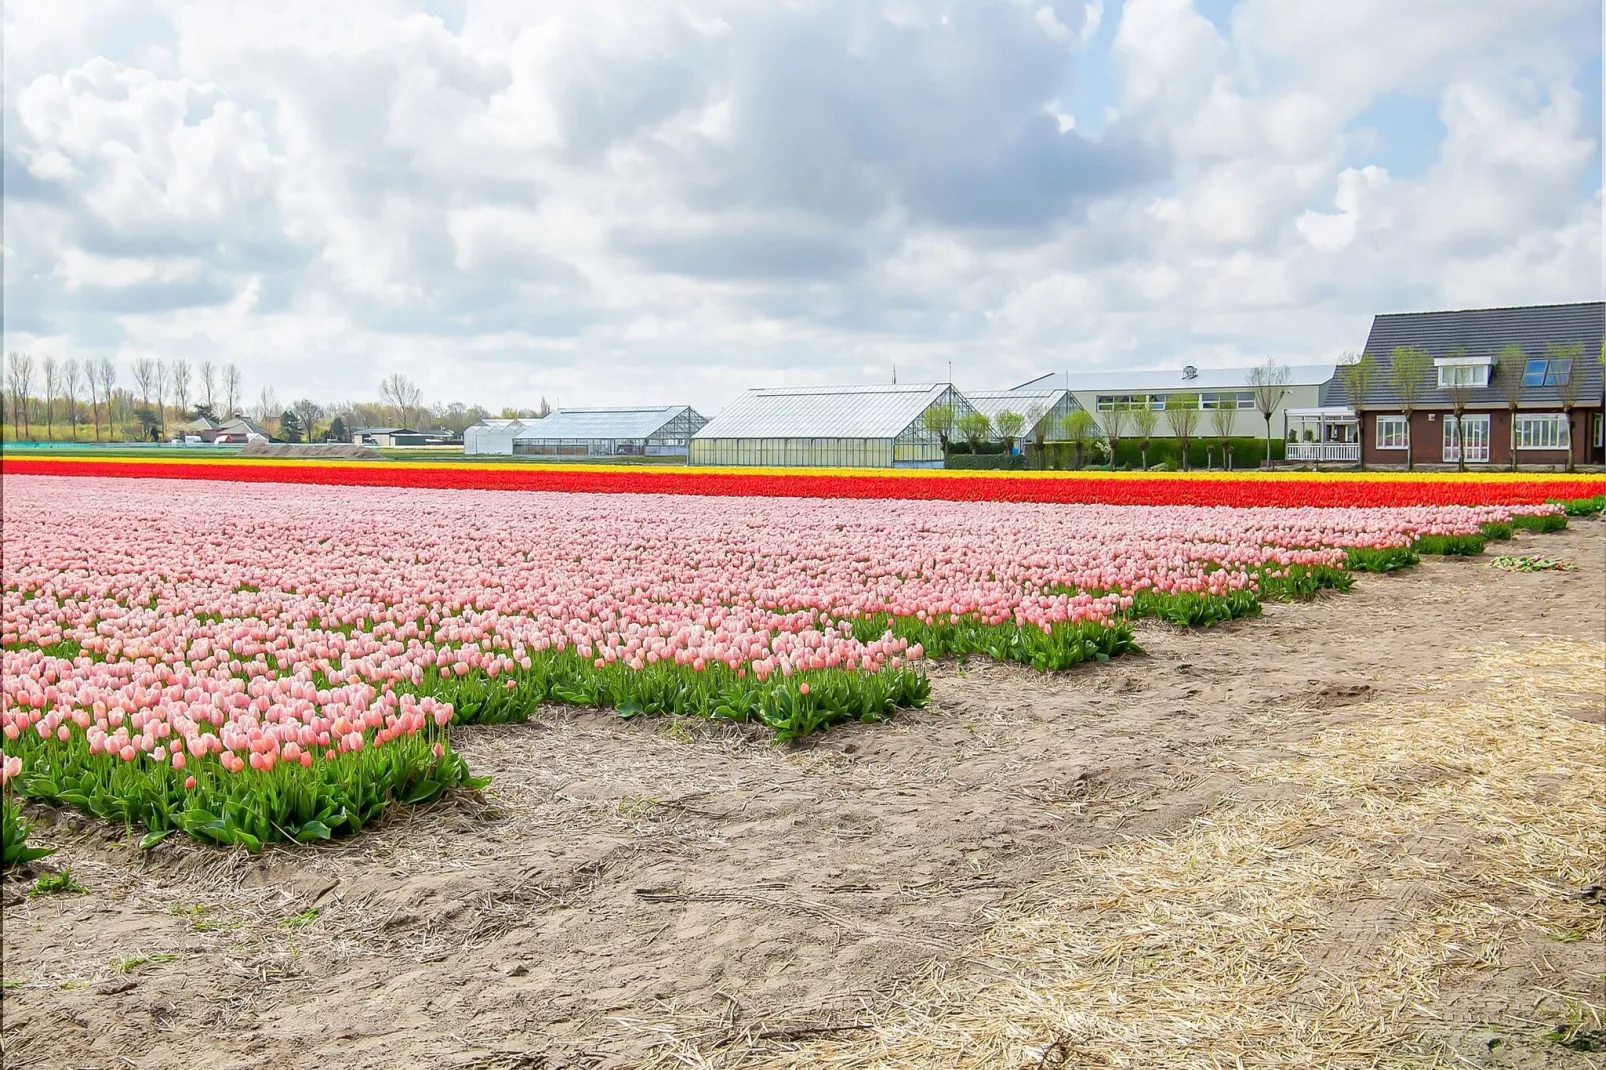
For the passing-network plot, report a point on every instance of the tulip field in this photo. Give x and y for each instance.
(250, 661)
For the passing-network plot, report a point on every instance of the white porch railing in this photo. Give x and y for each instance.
(1323, 451)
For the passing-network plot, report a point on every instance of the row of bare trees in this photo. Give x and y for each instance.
(75, 399)
(1409, 372)
(72, 393)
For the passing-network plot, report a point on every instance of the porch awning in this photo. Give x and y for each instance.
(1330, 412)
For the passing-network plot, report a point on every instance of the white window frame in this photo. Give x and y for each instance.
(1470, 375)
(1477, 426)
(1383, 441)
(1600, 430)
(1540, 431)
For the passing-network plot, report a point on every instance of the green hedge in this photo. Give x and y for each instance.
(993, 461)
(1246, 453)
(988, 449)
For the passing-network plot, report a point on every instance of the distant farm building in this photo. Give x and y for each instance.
(658, 431)
(830, 427)
(390, 436)
(493, 436)
(1043, 411)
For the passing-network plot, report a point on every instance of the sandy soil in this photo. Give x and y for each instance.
(625, 884)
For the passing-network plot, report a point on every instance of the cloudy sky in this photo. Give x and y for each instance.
(619, 201)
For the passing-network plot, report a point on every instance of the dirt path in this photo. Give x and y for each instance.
(629, 887)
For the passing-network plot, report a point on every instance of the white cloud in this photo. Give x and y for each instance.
(607, 201)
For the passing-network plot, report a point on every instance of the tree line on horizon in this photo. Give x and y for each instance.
(90, 401)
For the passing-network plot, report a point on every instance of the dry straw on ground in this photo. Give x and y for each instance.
(1418, 872)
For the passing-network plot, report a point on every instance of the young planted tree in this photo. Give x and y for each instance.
(1356, 373)
(1036, 420)
(1566, 385)
(939, 420)
(1410, 374)
(1080, 427)
(1010, 425)
(1221, 422)
(308, 413)
(1182, 413)
(1269, 382)
(232, 390)
(975, 428)
(1112, 422)
(1511, 366)
(1144, 422)
(71, 380)
(1459, 396)
(19, 376)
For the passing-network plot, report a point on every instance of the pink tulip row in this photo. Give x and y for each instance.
(259, 624)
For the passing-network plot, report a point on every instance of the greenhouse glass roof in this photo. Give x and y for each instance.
(601, 423)
(825, 411)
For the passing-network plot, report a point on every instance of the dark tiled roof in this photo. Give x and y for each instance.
(1482, 332)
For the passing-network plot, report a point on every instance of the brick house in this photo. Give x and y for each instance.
(1465, 348)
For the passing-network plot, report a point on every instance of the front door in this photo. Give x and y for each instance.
(1476, 430)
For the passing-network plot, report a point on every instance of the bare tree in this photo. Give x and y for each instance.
(51, 372)
(1270, 384)
(102, 378)
(231, 390)
(1182, 413)
(206, 376)
(161, 398)
(1355, 375)
(401, 394)
(1566, 384)
(1222, 419)
(1410, 374)
(19, 374)
(1511, 365)
(145, 378)
(308, 413)
(181, 387)
(267, 407)
(1144, 422)
(70, 381)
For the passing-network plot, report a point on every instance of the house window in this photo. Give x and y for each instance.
(1391, 432)
(1451, 375)
(1600, 422)
(1229, 400)
(1543, 432)
(1111, 402)
(1547, 371)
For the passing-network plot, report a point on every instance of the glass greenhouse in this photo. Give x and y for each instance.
(829, 426)
(1044, 410)
(621, 432)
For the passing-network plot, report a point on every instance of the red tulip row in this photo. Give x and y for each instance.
(1284, 490)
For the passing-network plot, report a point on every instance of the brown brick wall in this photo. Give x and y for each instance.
(1427, 439)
